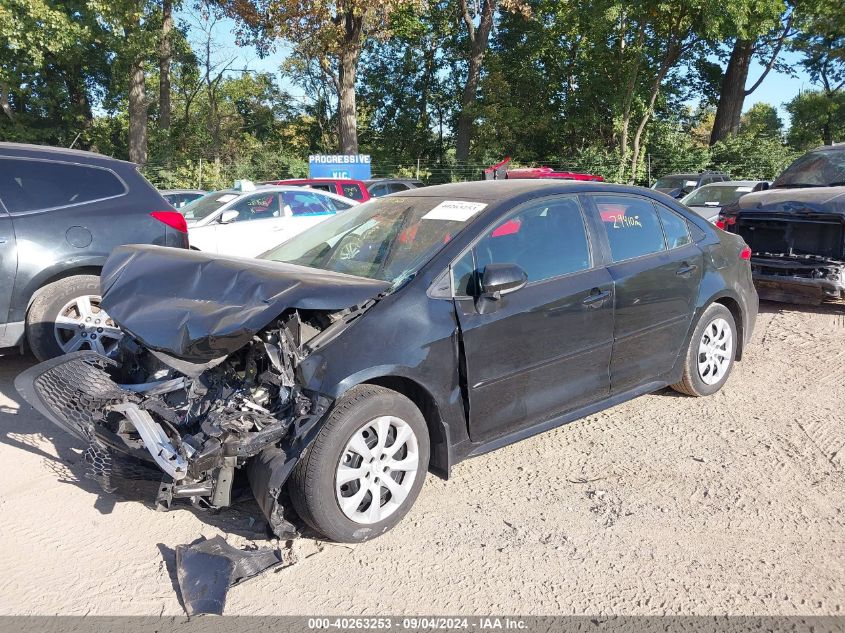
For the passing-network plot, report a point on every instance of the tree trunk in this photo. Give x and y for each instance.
(4, 101)
(347, 112)
(165, 56)
(137, 114)
(732, 95)
(672, 55)
(478, 37)
(465, 120)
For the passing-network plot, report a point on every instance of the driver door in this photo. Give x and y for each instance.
(545, 349)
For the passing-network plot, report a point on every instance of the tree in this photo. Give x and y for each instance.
(822, 42)
(761, 28)
(816, 118)
(332, 33)
(762, 120)
(165, 58)
(477, 17)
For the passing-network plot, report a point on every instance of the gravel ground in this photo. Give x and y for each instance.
(731, 504)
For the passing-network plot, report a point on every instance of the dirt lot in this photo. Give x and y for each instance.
(667, 504)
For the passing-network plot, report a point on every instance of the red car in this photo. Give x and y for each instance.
(500, 171)
(354, 189)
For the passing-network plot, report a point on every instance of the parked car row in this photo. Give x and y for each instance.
(403, 335)
(367, 343)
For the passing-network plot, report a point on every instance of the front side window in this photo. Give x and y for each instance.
(296, 203)
(546, 240)
(263, 206)
(32, 185)
(632, 226)
(352, 191)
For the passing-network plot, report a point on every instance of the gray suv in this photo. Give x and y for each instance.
(61, 213)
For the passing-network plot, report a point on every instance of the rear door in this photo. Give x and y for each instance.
(8, 266)
(656, 270)
(544, 349)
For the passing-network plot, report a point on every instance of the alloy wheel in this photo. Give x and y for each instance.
(715, 351)
(377, 470)
(83, 324)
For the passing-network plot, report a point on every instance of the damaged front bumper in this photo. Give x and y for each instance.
(192, 433)
(801, 279)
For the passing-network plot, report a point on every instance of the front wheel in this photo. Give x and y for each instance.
(365, 468)
(710, 356)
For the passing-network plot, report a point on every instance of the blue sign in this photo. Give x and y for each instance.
(351, 166)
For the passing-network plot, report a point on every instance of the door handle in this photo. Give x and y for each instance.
(2, 240)
(686, 270)
(596, 298)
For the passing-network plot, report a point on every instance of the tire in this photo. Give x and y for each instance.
(88, 328)
(705, 372)
(357, 416)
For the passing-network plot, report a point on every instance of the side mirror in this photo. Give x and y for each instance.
(229, 216)
(501, 279)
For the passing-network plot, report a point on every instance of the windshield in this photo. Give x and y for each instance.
(387, 238)
(203, 207)
(816, 169)
(716, 195)
(673, 182)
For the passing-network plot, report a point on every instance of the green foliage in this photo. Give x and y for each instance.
(750, 156)
(570, 87)
(815, 115)
(762, 119)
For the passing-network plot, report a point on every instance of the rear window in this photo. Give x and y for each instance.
(352, 191)
(33, 185)
(632, 226)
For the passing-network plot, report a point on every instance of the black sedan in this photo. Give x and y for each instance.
(401, 336)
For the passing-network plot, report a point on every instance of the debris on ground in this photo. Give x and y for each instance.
(207, 568)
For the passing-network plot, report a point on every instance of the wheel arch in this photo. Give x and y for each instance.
(57, 275)
(735, 309)
(440, 460)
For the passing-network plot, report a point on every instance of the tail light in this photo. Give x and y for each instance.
(745, 253)
(173, 219)
(725, 221)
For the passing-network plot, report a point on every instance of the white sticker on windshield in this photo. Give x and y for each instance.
(690, 183)
(744, 189)
(227, 198)
(454, 210)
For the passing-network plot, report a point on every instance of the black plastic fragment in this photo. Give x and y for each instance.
(206, 569)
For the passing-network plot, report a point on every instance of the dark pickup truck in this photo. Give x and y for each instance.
(796, 230)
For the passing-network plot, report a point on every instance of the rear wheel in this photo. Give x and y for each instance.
(711, 352)
(65, 316)
(366, 467)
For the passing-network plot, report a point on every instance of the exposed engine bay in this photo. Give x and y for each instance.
(145, 414)
(795, 259)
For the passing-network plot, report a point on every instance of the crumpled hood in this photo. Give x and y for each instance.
(199, 307)
(785, 200)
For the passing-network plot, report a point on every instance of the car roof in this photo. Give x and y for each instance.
(292, 180)
(735, 183)
(280, 189)
(836, 147)
(47, 151)
(503, 190)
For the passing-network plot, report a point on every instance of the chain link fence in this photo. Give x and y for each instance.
(210, 174)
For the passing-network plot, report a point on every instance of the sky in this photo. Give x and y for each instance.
(777, 88)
